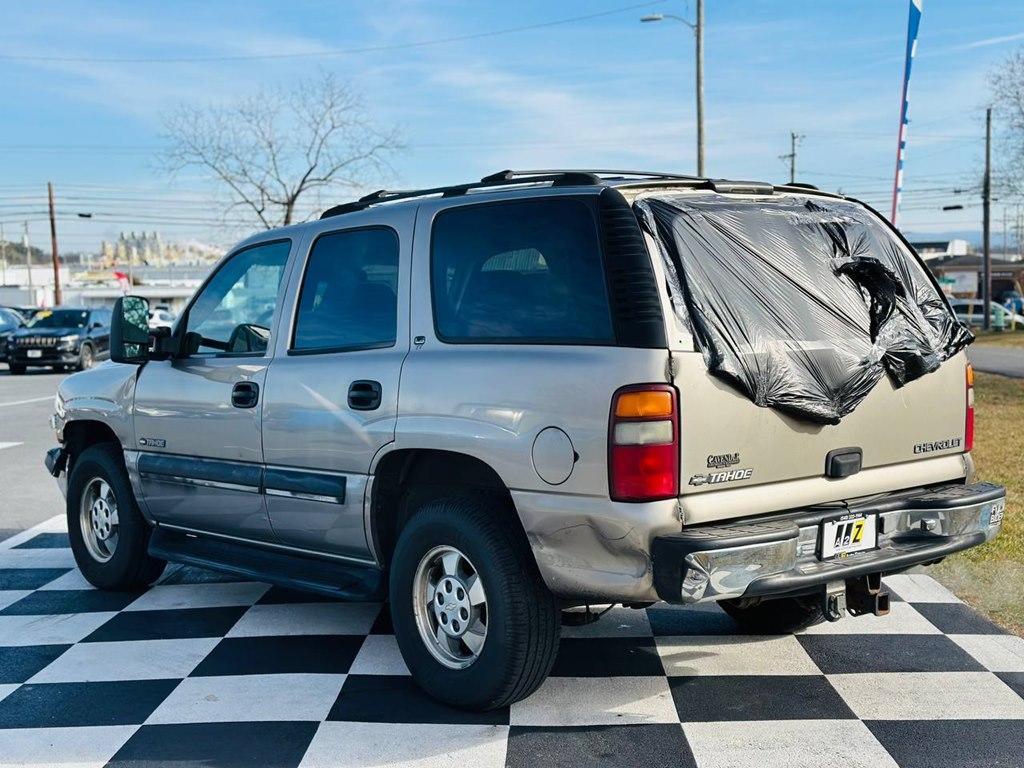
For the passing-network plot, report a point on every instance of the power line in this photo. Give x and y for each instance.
(879, 134)
(327, 53)
(663, 137)
(884, 178)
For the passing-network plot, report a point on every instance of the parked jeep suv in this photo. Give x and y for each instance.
(10, 321)
(61, 338)
(494, 402)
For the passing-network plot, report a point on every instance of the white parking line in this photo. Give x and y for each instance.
(7, 445)
(55, 524)
(25, 402)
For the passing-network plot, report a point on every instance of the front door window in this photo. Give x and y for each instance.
(234, 312)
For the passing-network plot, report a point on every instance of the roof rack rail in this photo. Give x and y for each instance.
(735, 187)
(500, 179)
(511, 175)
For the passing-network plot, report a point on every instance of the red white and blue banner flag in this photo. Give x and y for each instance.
(913, 24)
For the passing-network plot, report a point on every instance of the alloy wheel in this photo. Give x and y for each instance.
(450, 605)
(98, 519)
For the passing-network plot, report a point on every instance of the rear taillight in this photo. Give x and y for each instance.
(969, 420)
(643, 443)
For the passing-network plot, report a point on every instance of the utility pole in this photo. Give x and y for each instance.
(1018, 232)
(53, 248)
(986, 201)
(698, 31)
(1004, 232)
(3, 254)
(794, 140)
(28, 260)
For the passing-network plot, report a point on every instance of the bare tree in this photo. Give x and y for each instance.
(275, 147)
(1007, 84)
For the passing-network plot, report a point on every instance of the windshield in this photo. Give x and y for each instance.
(60, 318)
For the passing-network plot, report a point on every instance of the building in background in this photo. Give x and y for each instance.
(942, 249)
(961, 276)
(149, 248)
(144, 264)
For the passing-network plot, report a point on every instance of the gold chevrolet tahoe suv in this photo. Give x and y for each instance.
(496, 401)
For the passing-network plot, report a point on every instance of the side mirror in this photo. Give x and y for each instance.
(190, 344)
(129, 330)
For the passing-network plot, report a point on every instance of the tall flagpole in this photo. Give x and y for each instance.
(913, 24)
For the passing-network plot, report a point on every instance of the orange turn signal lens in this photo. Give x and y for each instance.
(643, 405)
(970, 375)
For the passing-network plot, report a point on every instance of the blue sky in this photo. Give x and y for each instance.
(601, 92)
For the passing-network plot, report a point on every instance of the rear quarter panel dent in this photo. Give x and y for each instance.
(592, 548)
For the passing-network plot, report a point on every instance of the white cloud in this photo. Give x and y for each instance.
(988, 41)
(541, 122)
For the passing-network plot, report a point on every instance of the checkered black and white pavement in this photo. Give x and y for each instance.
(206, 671)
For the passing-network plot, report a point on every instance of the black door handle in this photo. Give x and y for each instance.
(364, 395)
(245, 394)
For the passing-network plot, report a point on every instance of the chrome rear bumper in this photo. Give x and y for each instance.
(780, 555)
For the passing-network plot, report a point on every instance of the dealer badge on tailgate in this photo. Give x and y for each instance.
(848, 534)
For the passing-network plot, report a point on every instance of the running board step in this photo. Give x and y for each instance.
(347, 581)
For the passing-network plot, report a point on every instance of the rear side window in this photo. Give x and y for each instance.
(519, 272)
(348, 299)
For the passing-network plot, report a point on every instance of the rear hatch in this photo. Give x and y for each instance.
(739, 458)
(909, 436)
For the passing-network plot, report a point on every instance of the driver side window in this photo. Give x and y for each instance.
(234, 311)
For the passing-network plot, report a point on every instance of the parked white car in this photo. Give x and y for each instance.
(969, 311)
(160, 318)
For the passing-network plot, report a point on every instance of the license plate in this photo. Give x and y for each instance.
(852, 533)
(35, 353)
(995, 516)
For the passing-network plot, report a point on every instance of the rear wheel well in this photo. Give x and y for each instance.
(79, 435)
(406, 479)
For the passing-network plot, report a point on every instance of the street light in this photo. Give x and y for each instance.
(698, 32)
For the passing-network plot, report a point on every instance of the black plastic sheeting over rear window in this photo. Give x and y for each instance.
(803, 303)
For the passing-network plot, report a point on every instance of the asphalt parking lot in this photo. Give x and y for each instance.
(26, 403)
(205, 670)
(1006, 361)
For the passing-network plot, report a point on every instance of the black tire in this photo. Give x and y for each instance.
(86, 358)
(523, 619)
(16, 370)
(130, 566)
(775, 617)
